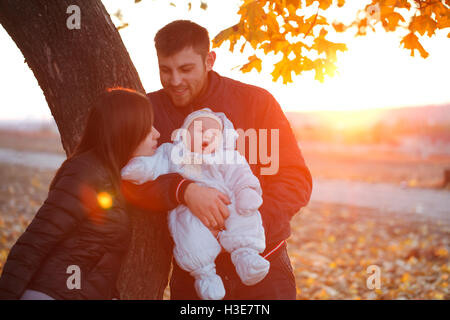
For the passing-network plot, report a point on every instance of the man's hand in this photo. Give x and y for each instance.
(207, 204)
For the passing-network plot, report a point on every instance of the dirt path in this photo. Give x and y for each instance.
(42, 160)
(427, 203)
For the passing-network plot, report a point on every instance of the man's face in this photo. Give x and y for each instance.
(184, 75)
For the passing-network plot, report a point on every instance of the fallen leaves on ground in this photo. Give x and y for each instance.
(331, 246)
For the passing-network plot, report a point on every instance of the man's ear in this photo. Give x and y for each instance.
(210, 59)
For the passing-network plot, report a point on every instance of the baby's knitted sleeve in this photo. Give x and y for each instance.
(145, 168)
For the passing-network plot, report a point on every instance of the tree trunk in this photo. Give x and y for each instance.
(72, 66)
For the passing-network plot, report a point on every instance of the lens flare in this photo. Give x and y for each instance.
(104, 199)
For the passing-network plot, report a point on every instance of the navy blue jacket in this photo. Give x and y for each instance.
(247, 107)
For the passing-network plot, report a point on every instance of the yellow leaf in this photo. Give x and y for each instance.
(331, 239)
(405, 277)
(338, 26)
(254, 62)
(323, 295)
(423, 24)
(390, 21)
(442, 252)
(438, 296)
(411, 42)
(232, 34)
(310, 281)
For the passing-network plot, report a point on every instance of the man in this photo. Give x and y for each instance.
(189, 83)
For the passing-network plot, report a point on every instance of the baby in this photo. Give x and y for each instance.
(204, 151)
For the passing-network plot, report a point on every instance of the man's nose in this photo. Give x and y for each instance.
(175, 79)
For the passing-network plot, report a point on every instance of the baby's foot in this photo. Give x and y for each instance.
(208, 284)
(210, 287)
(250, 266)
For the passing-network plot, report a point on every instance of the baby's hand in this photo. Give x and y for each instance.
(247, 201)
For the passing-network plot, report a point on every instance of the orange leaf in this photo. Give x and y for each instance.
(411, 42)
(254, 62)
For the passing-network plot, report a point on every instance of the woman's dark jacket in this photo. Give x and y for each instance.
(71, 229)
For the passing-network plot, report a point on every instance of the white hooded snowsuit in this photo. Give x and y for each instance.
(227, 171)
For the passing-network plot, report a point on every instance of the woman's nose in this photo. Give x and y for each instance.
(156, 133)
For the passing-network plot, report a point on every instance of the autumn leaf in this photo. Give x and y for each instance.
(323, 4)
(411, 42)
(271, 25)
(391, 20)
(231, 34)
(281, 69)
(339, 27)
(423, 24)
(328, 47)
(254, 62)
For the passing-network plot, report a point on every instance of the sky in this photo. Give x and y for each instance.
(374, 73)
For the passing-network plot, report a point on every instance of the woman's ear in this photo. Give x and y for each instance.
(210, 59)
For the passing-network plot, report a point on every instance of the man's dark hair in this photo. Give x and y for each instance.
(181, 34)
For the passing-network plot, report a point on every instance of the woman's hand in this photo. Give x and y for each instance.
(207, 204)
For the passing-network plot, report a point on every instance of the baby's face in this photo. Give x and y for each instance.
(204, 135)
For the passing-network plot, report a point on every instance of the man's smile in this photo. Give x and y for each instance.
(179, 91)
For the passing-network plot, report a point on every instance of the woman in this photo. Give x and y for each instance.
(74, 247)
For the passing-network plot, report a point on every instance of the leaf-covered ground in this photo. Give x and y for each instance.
(331, 246)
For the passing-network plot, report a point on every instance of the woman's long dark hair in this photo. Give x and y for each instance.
(117, 123)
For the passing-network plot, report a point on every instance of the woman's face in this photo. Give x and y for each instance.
(148, 145)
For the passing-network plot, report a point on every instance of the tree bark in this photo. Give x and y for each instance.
(72, 66)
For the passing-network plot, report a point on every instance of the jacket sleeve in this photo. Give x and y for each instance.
(160, 195)
(287, 184)
(142, 169)
(67, 203)
(143, 191)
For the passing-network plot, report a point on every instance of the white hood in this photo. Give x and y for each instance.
(229, 134)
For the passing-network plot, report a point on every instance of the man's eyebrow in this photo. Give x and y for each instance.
(187, 65)
(191, 64)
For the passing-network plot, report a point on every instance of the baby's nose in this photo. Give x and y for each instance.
(208, 136)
